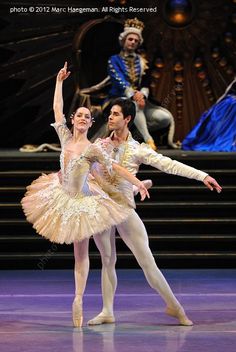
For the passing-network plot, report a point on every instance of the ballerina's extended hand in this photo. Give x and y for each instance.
(63, 73)
(143, 191)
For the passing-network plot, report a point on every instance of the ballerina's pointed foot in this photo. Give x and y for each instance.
(77, 313)
(179, 314)
(102, 319)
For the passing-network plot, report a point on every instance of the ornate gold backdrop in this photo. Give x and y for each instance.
(192, 48)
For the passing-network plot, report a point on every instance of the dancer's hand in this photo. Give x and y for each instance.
(147, 183)
(143, 191)
(138, 95)
(63, 73)
(139, 98)
(141, 103)
(212, 184)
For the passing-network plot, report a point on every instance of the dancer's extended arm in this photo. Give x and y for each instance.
(58, 96)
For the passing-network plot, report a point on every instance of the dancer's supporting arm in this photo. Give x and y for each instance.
(121, 171)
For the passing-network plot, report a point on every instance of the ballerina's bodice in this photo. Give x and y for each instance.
(75, 169)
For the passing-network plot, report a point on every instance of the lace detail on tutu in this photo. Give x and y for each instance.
(73, 207)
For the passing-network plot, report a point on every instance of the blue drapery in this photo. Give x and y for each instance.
(216, 129)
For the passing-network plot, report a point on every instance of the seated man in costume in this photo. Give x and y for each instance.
(126, 71)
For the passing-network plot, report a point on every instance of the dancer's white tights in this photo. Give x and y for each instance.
(105, 243)
(81, 267)
(134, 234)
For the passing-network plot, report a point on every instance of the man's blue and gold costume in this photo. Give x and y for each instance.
(126, 72)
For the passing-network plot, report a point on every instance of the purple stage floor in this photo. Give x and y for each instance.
(35, 313)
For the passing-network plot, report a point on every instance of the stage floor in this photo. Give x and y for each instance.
(35, 313)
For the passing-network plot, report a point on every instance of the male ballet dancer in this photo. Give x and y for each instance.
(130, 154)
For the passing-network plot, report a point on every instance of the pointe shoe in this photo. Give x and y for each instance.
(77, 312)
(102, 319)
(151, 144)
(179, 313)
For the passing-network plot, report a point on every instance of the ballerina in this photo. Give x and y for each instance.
(64, 210)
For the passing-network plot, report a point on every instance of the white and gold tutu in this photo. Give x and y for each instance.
(62, 208)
